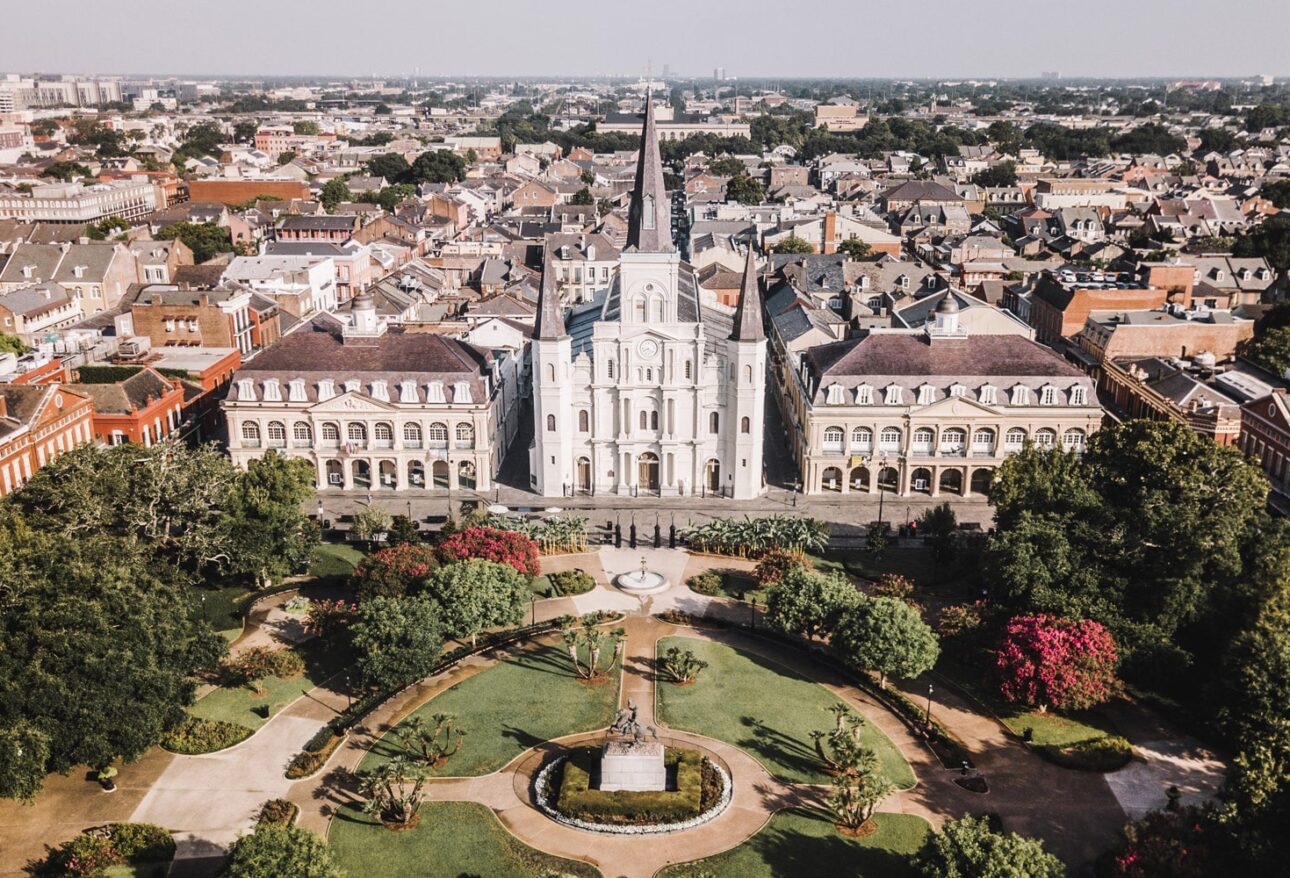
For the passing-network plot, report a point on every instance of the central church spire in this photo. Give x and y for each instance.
(649, 218)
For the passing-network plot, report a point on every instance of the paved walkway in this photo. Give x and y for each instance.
(208, 800)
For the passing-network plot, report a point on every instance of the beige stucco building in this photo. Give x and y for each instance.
(932, 411)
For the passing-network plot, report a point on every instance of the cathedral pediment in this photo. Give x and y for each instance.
(957, 407)
(352, 402)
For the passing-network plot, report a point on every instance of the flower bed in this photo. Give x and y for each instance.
(563, 785)
(315, 754)
(195, 736)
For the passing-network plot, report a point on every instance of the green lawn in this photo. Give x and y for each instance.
(334, 560)
(515, 705)
(236, 704)
(454, 840)
(219, 606)
(766, 709)
(801, 843)
(138, 870)
(1084, 739)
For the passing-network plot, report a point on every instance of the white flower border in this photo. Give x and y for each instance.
(540, 796)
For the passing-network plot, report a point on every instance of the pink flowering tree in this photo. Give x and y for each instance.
(493, 544)
(1046, 661)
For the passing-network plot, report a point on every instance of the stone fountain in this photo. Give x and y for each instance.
(643, 581)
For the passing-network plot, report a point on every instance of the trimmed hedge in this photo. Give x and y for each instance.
(195, 736)
(316, 753)
(568, 583)
(277, 812)
(1098, 754)
(708, 582)
(627, 807)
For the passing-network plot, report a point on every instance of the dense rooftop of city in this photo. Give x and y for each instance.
(667, 475)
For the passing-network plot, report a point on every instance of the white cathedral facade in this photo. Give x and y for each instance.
(646, 392)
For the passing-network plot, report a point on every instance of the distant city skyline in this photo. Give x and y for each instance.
(753, 39)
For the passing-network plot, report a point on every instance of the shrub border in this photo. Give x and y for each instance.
(542, 793)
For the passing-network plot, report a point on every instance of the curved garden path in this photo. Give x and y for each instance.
(207, 800)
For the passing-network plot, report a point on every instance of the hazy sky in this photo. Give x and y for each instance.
(788, 38)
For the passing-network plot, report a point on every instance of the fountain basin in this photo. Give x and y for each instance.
(641, 582)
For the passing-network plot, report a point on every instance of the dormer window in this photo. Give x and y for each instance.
(434, 392)
(272, 392)
(296, 390)
(835, 394)
(989, 395)
(926, 394)
(1048, 396)
(864, 395)
(461, 392)
(958, 390)
(326, 389)
(381, 391)
(892, 396)
(1079, 395)
(408, 391)
(353, 385)
(246, 390)
(1021, 395)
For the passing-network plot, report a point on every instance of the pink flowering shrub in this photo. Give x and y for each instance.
(326, 619)
(492, 544)
(394, 572)
(1046, 661)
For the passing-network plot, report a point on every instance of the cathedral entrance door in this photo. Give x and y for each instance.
(648, 476)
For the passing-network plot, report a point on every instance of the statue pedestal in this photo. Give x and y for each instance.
(626, 765)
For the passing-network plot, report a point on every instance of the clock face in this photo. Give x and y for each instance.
(648, 347)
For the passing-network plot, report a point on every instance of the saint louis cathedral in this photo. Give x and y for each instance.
(649, 391)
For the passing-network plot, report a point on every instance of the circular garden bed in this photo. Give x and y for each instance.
(698, 790)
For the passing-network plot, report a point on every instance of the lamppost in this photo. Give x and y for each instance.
(349, 694)
(533, 611)
(881, 460)
(797, 485)
(927, 718)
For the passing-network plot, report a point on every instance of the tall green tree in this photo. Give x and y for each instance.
(969, 848)
(97, 652)
(397, 640)
(1271, 349)
(165, 502)
(476, 595)
(270, 535)
(437, 166)
(206, 240)
(808, 604)
(793, 244)
(1256, 724)
(334, 191)
(390, 165)
(745, 190)
(888, 636)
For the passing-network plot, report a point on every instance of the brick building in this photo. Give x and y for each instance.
(1265, 435)
(142, 406)
(37, 423)
(1063, 300)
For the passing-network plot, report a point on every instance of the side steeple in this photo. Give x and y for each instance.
(748, 320)
(550, 313)
(649, 217)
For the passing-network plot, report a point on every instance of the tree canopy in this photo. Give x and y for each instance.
(478, 594)
(808, 604)
(888, 636)
(969, 848)
(278, 851)
(96, 651)
(206, 240)
(397, 640)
